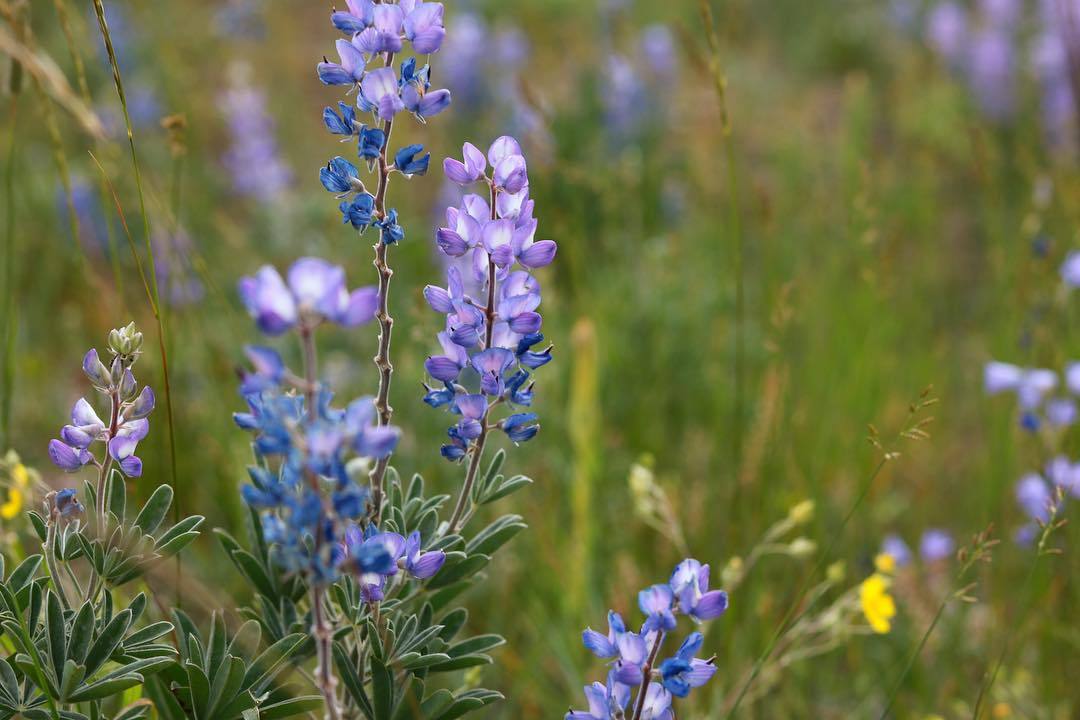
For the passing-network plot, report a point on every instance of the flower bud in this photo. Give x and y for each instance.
(802, 512)
(128, 386)
(96, 371)
(126, 341)
(116, 371)
(66, 503)
(802, 547)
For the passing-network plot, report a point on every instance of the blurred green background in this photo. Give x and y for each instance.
(898, 230)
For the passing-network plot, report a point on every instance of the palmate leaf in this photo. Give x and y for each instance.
(131, 548)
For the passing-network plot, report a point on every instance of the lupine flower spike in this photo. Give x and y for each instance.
(634, 666)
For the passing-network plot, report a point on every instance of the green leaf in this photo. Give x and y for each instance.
(149, 633)
(271, 661)
(56, 633)
(184, 526)
(175, 544)
(9, 684)
(465, 569)
(505, 488)
(200, 688)
(469, 701)
(436, 703)
(107, 641)
(382, 688)
(155, 509)
(346, 670)
(24, 573)
(461, 662)
(71, 677)
(228, 679)
(41, 529)
(215, 648)
(478, 644)
(452, 623)
(82, 631)
(424, 661)
(291, 707)
(105, 688)
(495, 535)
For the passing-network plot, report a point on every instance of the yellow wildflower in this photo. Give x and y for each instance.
(12, 505)
(885, 563)
(20, 475)
(877, 605)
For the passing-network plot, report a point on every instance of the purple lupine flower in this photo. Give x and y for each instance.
(1034, 497)
(423, 25)
(685, 671)
(1061, 411)
(1064, 474)
(349, 71)
(1001, 377)
(493, 342)
(626, 649)
(657, 602)
(315, 292)
(895, 547)
(421, 565)
(690, 583)
(936, 545)
(657, 704)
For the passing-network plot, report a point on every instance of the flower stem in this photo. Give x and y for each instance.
(646, 675)
(50, 562)
(320, 630)
(106, 466)
(386, 322)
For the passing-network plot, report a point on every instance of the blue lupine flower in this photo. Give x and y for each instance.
(253, 160)
(521, 427)
(379, 93)
(391, 232)
(341, 176)
(372, 140)
(384, 33)
(358, 212)
(421, 565)
(343, 124)
(424, 104)
(627, 649)
(407, 162)
(936, 545)
(684, 671)
(66, 503)
(690, 583)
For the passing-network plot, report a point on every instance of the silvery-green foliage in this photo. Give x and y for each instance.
(395, 659)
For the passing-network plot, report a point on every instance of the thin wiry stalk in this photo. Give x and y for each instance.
(735, 222)
(646, 672)
(152, 285)
(386, 322)
(10, 318)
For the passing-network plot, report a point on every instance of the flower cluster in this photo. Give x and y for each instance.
(633, 656)
(1036, 391)
(128, 410)
(302, 482)
(488, 345)
(380, 30)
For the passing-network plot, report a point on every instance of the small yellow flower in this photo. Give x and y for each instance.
(1002, 710)
(10, 508)
(877, 605)
(885, 563)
